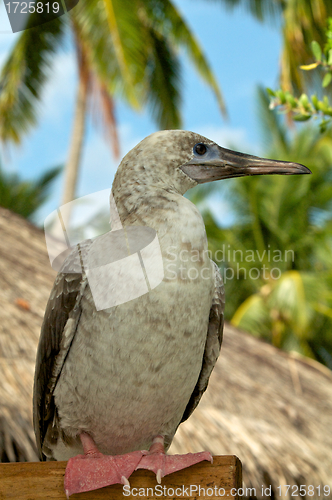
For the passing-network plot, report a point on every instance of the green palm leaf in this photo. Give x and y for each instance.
(176, 28)
(25, 197)
(163, 87)
(23, 76)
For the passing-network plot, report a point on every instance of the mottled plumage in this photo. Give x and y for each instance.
(161, 346)
(122, 379)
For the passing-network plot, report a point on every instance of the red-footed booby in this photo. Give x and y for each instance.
(112, 386)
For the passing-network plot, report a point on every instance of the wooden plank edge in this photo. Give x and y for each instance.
(44, 480)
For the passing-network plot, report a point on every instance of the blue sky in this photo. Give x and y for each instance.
(242, 52)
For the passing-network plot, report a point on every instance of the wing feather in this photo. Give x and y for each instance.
(60, 323)
(212, 346)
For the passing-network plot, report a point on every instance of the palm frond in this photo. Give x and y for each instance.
(169, 21)
(24, 75)
(163, 88)
(106, 111)
(260, 9)
(116, 48)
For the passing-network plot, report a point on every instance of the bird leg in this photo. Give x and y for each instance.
(161, 464)
(95, 470)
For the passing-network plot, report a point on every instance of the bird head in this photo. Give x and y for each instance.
(179, 160)
(210, 162)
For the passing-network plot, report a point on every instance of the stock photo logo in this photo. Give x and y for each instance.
(120, 265)
(24, 15)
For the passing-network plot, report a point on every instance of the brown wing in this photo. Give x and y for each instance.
(61, 318)
(212, 346)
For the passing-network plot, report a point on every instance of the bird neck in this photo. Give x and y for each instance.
(175, 219)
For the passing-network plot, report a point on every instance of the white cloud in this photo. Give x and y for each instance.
(96, 176)
(235, 137)
(99, 165)
(129, 138)
(220, 209)
(59, 92)
(98, 169)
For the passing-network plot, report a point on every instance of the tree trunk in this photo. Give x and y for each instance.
(75, 151)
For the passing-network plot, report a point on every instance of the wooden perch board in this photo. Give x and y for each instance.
(44, 480)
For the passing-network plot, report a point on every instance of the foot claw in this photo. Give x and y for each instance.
(124, 481)
(162, 464)
(159, 476)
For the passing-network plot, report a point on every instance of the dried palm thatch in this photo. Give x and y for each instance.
(272, 410)
(25, 281)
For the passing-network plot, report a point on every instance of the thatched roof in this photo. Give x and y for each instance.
(272, 410)
(25, 281)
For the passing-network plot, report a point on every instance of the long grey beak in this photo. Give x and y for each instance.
(220, 163)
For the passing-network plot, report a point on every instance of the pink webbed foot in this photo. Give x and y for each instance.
(94, 470)
(161, 464)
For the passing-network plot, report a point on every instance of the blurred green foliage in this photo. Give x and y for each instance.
(25, 197)
(304, 107)
(276, 257)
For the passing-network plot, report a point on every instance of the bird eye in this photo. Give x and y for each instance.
(200, 149)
